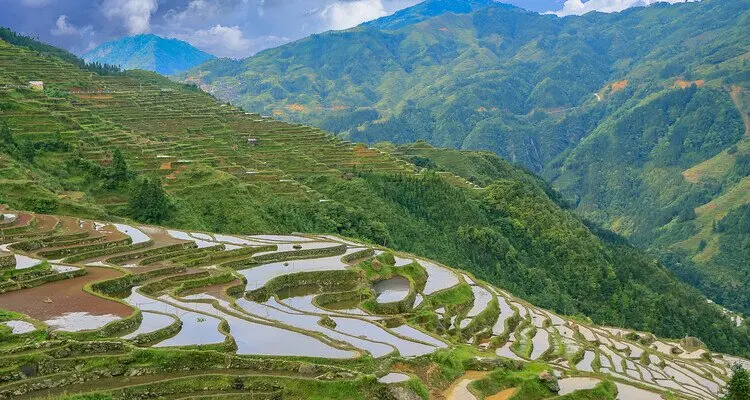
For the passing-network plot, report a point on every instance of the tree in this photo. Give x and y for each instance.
(6, 136)
(149, 202)
(739, 386)
(119, 170)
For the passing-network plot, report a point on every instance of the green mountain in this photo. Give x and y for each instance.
(639, 118)
(426, 10)
(90, 145)
(148, 52)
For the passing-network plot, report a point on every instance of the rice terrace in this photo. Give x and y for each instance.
(143, 311)
(374, 200)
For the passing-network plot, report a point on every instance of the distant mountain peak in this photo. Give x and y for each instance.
(429, 9)
(151, 52)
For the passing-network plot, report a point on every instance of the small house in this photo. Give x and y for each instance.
(252, 142)
(36, 85)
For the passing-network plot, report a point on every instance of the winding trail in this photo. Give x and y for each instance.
(459, 390)
(736, 94)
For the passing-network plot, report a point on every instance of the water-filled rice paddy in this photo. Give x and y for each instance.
(208, 303)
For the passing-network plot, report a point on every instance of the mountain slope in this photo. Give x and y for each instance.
(602, 105)
(149, 52)
(296, 178)
(426, 10)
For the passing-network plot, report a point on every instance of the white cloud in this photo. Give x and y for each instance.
(62, 27)
(196, 10)
(228, 41)
(135, 14)
(578, 7)
(347, 14)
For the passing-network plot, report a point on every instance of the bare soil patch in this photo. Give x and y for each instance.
(57, 298)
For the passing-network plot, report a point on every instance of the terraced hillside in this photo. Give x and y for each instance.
(138, 146)
(637, 117)
(163, 129)
(132, 311)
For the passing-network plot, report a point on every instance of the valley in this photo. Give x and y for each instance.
(640, 136)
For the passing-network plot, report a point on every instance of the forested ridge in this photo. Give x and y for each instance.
(638, 118)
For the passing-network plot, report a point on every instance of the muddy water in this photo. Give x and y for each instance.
(438, 278)
(236, 240)
(202, 236)
(392, 290)
(55, 299)
(585, 364)
(185, 236)
(24, 262)
(136, 235)
(19, 327)
(401, 261)
(502, 395)
(570, 385)
(522, 310)
(80, 321)
(459, 390)
(417, 300)
(506, 352)
(152, 322)
(416, 334)
(196, 329)
(505, 313)
(258, 277)
(260, 339)
(482, 298)
(285, 247)
(394, 377)
(311, 323)
(627, 392)
(282, 238)
(540, 343)
(370, 331)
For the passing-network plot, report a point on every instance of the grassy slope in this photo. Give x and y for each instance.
(512, 234)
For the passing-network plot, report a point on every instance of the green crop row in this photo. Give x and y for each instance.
(106, 251)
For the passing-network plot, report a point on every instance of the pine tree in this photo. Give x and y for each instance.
(119, 169)
(739, 386)
(149, 202)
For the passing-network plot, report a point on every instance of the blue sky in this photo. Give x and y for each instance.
(226, 28)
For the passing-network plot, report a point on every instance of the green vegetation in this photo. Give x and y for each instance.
(636, 117)
(148, 202)
(513, 234)
(739, 386)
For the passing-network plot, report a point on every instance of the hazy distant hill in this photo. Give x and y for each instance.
(149, 52)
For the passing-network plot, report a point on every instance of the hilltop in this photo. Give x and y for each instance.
(137, 145)
(143, 311)
(639, 118)
(148, 52)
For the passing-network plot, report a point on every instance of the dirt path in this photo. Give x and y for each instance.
(57, 298)
(736, 94)
(459, 390)
(502, 395)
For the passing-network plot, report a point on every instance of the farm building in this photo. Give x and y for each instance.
(36, 85)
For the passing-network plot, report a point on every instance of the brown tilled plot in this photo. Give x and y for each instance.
(57, 298)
